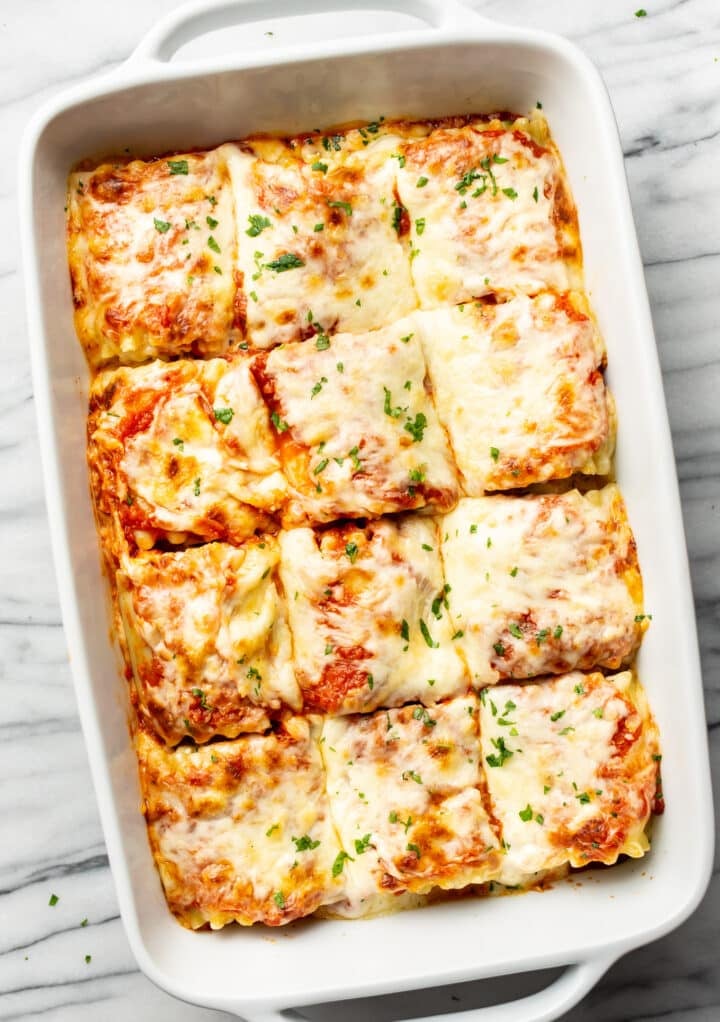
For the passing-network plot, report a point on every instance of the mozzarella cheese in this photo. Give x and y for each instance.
(405, 791)
(491, 212)
(543, 584)
(151, 247)
(182, 451)
(357, 430)
(208, 638)
(572, 770)
(518, 387)
(319, 247)
(367, 610)
(241, 830)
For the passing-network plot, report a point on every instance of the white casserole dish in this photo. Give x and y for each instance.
(449, 60)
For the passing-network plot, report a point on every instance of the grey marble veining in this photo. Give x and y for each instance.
(663, 73)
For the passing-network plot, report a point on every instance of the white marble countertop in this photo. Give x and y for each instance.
(663, 72)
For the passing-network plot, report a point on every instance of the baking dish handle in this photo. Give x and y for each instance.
(544, 1006)
(202, 16)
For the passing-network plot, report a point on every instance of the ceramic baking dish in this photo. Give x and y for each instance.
(212, 72)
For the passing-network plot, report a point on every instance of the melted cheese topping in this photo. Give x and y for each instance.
(358, 599)
(183, 450)
(543, 584)
(519, 388)
(490, 212)
(240, 830)
(571, 767)
(151, 249)
(405, 792)
(208, 640)
(317, 248)
(358, 431)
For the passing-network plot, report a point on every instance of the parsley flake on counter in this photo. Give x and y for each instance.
(54, 899)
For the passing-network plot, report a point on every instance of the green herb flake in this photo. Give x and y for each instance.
(257, 225)
(499, 648)
(341, 205)
(526, 814)
(414, 848)
(305, 843)
(416, 427)
(271, 830)
(280, 425)
(223, 415)
(54, 899)
(514, 629)
(279, 899)
(319, 165)
(339, 863)
(213, 245)
(503, 753)
(583, 797)
(420, 226)
(567, 730)
(400, 158)
(362, 844)
(319, 227)
(407, 338)
(411, 775)
(513, 572)
(286, 261)
(179, 443)
(510, 192)
(322, 342)
(196, 486)
(426, 546)
(199, 694)
(84, 922)
(429, 641)
(178, 166)
(494, 453)
(161, 226)
(557, 715)
(88, 959)
(405, 630)
(351, 552)
(535, 193)
(421, 182)
(598, 712)
(641, 13)
(320, 467)
(558, 632)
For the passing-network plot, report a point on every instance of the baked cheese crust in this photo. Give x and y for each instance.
(519, 388)
(151, 247)
(182, 452)
(406, 795)
(367, 610)
(491, 212)
(572, 770)
(207, 638)
(357, 431)
(319, 246)
(543, 584)
(241, 830)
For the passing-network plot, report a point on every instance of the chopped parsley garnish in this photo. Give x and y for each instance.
(494, 453)
(362, 844)
(400, 158)
(414, 848)
(421, 182)
(394, 413)
(567, 730)
(351, 552)
(212, 224)
(371, 683)
(641, 617)
(271, 830)
(579, 690)
(319, 165)
(322, 342)
(212, 244)
(161, 226)
(420, 713)
(542, 636)
(429, 641)
(317, 387)
(583, 797)
(467, 179)
(357, 463)
(557, 715)
(223, 415)
(253, 672)
(503, 753)
(286, 261)
(417, 475)
(199, 694)
(341, 205)
(178, 166)
(196, 486)
(526, 814)
(180, 443)
(458, 635)
(54, 899)
(514, 629)
(279, 899)
(416, 427)
(499, 648)
(280, 425)
(426, 546)
(411, 775)
(407, 338)
(333, 142)
(510, 192)
(305, 843)
(320, 467)
(340, 858)
(398, 211)
(319, 227)
(598, 712)
(257, 225)
(405, 630)
(420, 225)
(558, 632)
(535, 193)
(513, 572)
